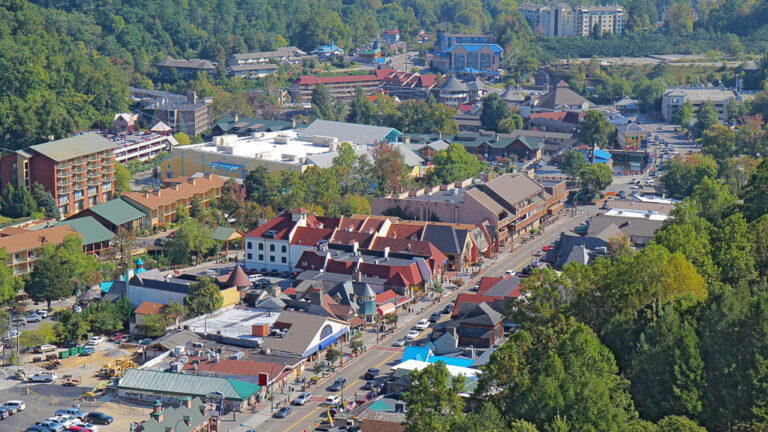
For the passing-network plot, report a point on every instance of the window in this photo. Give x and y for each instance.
(17, 257)
(261, 257)
(78, 205)
(283, 260)
(250, 256)
(31, 254)
(107, 186)
(261, 246)
(93, 190)
(64, 199)
(284, 249)
(105, 197)
(78, 194)
(271, 248)
(272, 258)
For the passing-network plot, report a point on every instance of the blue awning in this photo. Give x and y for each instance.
(324, 344)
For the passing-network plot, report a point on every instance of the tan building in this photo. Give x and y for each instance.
(23, 245)
(160, 206)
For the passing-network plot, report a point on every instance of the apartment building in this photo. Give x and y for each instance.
(283, 54)
(78, 171)
(340, 87)
(185, 68)
(468, 54)
(562, 20)
(188, 114)
(674, 98)
(160, 206)
(23, 245)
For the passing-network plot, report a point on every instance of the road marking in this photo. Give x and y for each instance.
(304, 418)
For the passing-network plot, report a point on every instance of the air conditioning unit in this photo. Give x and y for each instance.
(281, 139)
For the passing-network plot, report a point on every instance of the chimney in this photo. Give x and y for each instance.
(386, 251)
(355, 247)
(316, 295)
(356, 276)
(157, 408)
(237, 118)
(187, 402)
(497, 138)
(260, 330)
(191, 97)
(407, 139)
(146, 194)
(175, 186)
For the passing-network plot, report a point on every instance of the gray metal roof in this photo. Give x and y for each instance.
(347, 132)
(185, 385)
(74, 146)
(325, 160)
(513, 188)
(453, 84)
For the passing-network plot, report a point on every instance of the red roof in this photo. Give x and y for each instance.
(328, 222)
(291, 291)
(563, 116)
(341, 79)
(308, 236)
(149, 308)
(281, 223)
(239, 367)
(348, 237)
(406, 231)
(471, 298)
(465, 107)
(386, 296)
(487, 283)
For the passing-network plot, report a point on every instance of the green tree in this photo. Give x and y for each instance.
(191, 238)
(675, 423)
(182, 139)
(683, 174)
(44, 201)
(122, 179)
(487, 418)
(595, 177)
(510, 123)
(454, 164)
(154, 325)
(595, 129)
(678, 18)
(204, 297)
(323, 103)
(432, 401)
(361, 109)
(494, 111)
(71, 326)
(16, 203)
(714, 200)
(732, 250)
(755, 196)
(389, 171)
(8, 284)
(356, 204)
(573, 163)
(44, 334)
(706, 117)
(332, 355)
(50, 279)
(684, 116)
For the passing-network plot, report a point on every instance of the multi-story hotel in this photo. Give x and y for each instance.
(563, 20)
(78, 171)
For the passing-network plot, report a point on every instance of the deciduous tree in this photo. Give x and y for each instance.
(595, 129)
(433, 400)
(204, 297)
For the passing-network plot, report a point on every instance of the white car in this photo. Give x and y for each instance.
(399, 343)
(332, 400)
(303, 398)
(254, 277)
(95, 340)
(510, 273)
(65, 420)
(15, 405)
(413, 334)
(42, 377)
(423, 324)
(45, 348)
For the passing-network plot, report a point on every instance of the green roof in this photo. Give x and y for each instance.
(531, 143)
(78, 145)
(224, 233)
(91, 230)
(173, 416)
(118, 211)
(186, 385)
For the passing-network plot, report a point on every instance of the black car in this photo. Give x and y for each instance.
(338, 384)
(371, 373)
(98, 418)
(369, 385)
(448, 309)
(284, 412)
(434, 317)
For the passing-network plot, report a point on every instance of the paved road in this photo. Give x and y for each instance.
(383, 356)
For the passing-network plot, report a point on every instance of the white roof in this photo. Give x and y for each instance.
(283, 146)
(655, 199)
(235, 323)
(453, 370)
(640, 214)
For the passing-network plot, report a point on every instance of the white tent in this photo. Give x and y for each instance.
(453, 370)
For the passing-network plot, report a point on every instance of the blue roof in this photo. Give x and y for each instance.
(452, 361)
(139, 262)
(105, 286)
(477, 47)
(420, 353)
(602, 154)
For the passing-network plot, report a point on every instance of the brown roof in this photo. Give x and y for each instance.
(486, 201)
(34, 239)
(371, 425)
(149, 308)
(170, 195)
(238, 278)
(514, 188)
(406, 230)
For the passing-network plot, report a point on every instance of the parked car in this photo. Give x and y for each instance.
(120, 337)
(399, 343)
(423, 324)
(78, 428)
(88, 426)
(21, 321)
(371, 373)
(42, 377)
(65, 421)
(448, 308)
(303, 398)
(51, 425)
(413, 334)
(476, 287)
(33, 318)
(145, 341)
(38, 428)
(331, 400)
(284, 412)
(95, 340)
(15, 405)
(369, 385)
(434, 317)
(74, 412)
(5, 413)
(45, 348)
(254, 277)
(99, 418)
(338, 384)
(86, 352)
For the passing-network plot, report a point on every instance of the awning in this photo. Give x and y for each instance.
(328, 342)
(386, 308)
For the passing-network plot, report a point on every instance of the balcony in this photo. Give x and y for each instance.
(78, 170)
(93, 165)
(63, 190)
(94, 182)
(62, 173)
(64, 165)
(107, 170)
(64, 181)
(78, 184)
(93, 158)
(93, 174)
(78, 177)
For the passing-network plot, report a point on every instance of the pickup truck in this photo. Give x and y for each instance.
(42, 377)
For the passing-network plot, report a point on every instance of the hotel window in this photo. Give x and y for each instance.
(78, 194)
(64, 199)
(271, 248)
(272, 258)
(250, 255)
(284, 249)
(283, 260)
(261, 257)
(261, 246)
(250, 245)
(105, 197)
(107, 186)
(93, 190)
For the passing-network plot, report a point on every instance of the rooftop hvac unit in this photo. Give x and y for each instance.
(287, 156)
(281, 139)
(225, 149)
(324, 140)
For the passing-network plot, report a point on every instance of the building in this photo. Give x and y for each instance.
(235, 124)
(252, 70)
(185, 68)
(447, 40)
(163, 288)
(96, 238)
(125, 122)
(340, 87)
(453, 92)
(352, 133)
(406, 85)
(562, 98)
(186, 114)
(191, 415)
(369, 55)
(326, 52)
(467, 54)
(630, 135)
(390, 36)
(23, 245)
(501, 146)
(78, 171)
(563, 20)
(133, 145)
(304, 335)
(144, 310)
(556, 121)
(639, 225)
(289, 54)
(114, 214)
(674, 98)
(510, 204)
(168, 387)
(160, 206)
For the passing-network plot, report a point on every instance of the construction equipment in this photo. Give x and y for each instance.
(117, 370)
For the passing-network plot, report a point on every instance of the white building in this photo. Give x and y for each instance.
(675, 97)
(563, 20)
(140, 146)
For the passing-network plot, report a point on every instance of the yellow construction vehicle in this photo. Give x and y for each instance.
(117, 370)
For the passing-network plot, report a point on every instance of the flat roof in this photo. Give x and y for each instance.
(283, 146)
(235, 323)
(74, 146)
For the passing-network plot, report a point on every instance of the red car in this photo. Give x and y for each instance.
(546, 248)
(120, 337)
(79, 429)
